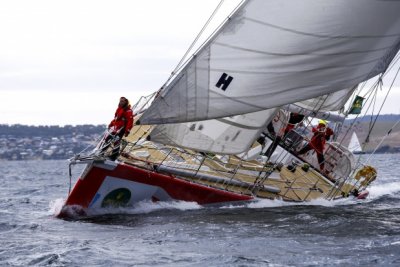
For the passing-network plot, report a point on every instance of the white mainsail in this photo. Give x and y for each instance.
(231, 135)
(354, 145)
(276, 52)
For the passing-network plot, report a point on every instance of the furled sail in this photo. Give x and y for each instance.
(231, 135)
(271, 53)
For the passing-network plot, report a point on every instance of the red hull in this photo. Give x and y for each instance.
(100, 179)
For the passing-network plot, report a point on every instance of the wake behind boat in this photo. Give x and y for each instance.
(221, 130)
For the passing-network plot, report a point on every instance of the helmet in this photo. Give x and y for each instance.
(324, 122)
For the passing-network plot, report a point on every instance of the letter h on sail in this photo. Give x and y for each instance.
(224, 81)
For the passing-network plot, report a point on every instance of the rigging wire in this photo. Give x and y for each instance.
(183, 63)
(373, 103)
(377, 115)
(366, 96)
(198, 36)
(371, 92)
(383, 139)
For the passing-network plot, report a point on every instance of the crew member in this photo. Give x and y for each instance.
(120, 126)
(294, 119)
(322, 133)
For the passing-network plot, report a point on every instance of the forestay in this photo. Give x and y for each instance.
(276, 52)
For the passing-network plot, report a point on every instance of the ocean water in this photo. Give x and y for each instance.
(265, 233)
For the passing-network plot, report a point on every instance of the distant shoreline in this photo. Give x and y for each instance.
(24, 142)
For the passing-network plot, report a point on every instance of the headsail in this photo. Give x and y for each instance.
(272, 53)
(230, 135)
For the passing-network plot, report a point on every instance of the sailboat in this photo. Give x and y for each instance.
(354, 145)
(198, 139)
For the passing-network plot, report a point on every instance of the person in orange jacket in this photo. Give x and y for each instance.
(120, 126)
(322, 133)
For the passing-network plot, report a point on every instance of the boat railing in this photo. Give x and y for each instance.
(143, 103)
(339, 162)
(93, 151)
(203, 168)
(234, 172)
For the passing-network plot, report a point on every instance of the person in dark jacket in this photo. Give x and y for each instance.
(294, 119)
(119, 127)
(322, 133)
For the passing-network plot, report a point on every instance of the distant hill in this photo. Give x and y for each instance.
(61, 142)
(22, 142)
(383, 124)
(21, 131)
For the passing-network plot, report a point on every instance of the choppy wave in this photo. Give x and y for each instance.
(379, 190)
(265, 232)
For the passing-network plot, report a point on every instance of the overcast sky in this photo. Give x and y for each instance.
(68, 62)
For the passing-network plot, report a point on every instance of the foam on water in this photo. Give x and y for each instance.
(276, 203)
(56, 206)
(378, 190)
(144, 207)
(150, 206)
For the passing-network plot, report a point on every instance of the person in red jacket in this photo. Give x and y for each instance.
(322, 133)
(120, 126)
(123, 119)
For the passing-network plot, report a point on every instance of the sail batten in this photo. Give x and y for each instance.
(273, 53)
(295, 71)
(292, 30)
(304, 52)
